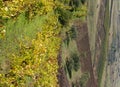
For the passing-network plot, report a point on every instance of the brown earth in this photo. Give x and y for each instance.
(84, 47)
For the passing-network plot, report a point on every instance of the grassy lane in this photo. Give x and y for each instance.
(104, 45)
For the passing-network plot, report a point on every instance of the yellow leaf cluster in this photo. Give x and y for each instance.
(15, 7)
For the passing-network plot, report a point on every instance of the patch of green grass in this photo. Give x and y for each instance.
(91, 17)
(102, 62)
(104, 46)
(81, 81)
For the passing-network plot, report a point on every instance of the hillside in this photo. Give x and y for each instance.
(59, 43)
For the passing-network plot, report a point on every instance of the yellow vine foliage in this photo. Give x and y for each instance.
(36, 64)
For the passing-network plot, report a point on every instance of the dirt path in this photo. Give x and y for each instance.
(84, 47)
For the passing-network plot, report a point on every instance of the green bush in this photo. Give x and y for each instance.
(74, 3)
(72, 33)
(69, 64)
(83, 1)
(69, 35)
(67, 39)
(76, 60)
(64, 15)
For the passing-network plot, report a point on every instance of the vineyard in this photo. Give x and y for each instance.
(31, 34)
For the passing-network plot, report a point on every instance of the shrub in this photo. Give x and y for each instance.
(69, 35)
(72, 33)
(83, 1)
(67, 39)
(74, 3)
(64, 15)
(69, 64)
(76, 60)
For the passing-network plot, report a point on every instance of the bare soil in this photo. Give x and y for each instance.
(84, 47)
